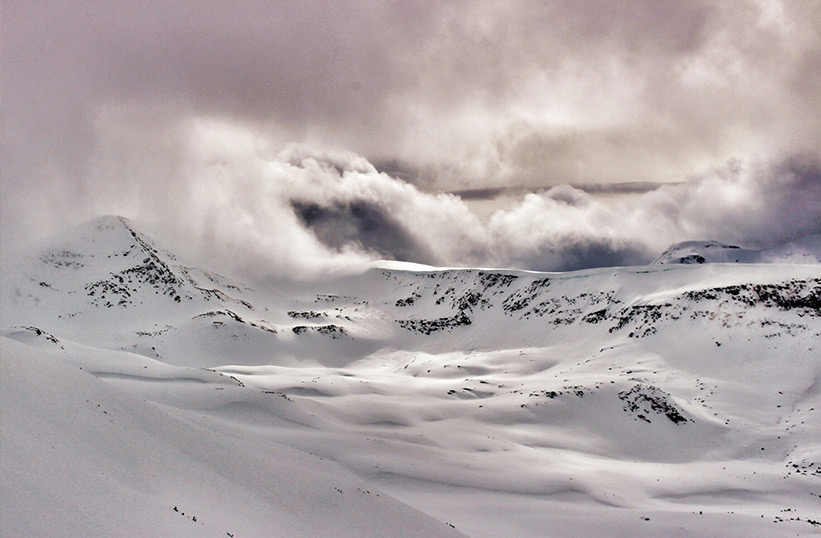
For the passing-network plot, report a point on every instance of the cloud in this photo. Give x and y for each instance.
(469, 94)
(757, 204)
(219, 124)
(224, 193)
(563, 229)
(364, 225)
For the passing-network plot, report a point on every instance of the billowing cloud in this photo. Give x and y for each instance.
(756, 204)
(217, 120)
(365, 225)
(230, 194)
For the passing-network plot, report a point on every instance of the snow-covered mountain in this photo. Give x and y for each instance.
(668, 400)
(804, 250)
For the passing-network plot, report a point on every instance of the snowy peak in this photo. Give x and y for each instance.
(801, 251)
(106, 273)
(114, 262)
(102, 236)
(690, 252)
(105, 244)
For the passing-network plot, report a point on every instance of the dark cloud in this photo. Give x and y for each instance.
(488, 193)
(628, 187)
(582, 253)
(491, 193)
(364, 225)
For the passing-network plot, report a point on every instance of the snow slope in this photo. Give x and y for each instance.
(83, 458)
(667, 400)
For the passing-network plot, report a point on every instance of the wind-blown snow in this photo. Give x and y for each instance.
(665, 400)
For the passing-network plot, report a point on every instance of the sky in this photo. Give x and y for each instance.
(300, 137)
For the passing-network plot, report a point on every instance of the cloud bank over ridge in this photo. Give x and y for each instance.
(297, 210)
(178, 114)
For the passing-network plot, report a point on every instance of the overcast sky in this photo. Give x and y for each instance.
(334, 131)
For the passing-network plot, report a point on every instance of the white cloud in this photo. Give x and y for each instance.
(234, 193)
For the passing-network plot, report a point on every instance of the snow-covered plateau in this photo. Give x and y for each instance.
(145, 397)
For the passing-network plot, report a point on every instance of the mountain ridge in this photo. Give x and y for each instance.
(510, 386)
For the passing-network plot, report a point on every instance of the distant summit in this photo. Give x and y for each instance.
(806, 250)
